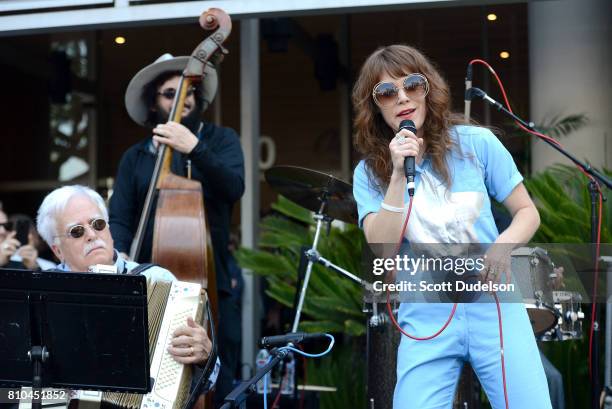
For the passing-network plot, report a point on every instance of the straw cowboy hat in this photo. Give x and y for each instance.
(134, 98)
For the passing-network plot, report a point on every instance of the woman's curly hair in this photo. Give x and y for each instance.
(372, 134)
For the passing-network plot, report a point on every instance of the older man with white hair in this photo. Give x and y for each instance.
(73, 220)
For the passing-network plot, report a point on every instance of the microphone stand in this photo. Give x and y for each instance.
(236, 397)
(587, 168)
(602, 179)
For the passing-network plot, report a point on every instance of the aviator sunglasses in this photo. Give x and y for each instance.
(386, 94)
(170, 93)
(77, 231)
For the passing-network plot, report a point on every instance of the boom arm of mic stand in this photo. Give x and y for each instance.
(316, 258)
(235, 398)
(593, 172)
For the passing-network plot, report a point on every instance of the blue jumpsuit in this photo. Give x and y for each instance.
(428, 371)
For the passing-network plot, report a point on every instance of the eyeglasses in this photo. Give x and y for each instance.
(77, 231)
(170, 93)
(386, 94)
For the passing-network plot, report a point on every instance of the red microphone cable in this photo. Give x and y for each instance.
(390, 310)
(450, 317)
(600, 205)
(501, 348)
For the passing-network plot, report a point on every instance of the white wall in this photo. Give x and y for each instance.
(570, 58)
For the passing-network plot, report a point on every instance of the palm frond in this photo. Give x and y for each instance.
(291, 209)
(563, 200)
(559, 126)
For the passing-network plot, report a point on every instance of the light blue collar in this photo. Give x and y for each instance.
(119, 263)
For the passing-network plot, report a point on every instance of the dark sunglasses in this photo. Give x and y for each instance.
(170, 93)
(77, 231)
(386, 94)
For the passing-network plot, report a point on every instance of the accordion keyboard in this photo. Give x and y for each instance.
(171, 380)
(170, 369)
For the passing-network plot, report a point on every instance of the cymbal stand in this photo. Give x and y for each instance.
(313, 256)
(320, 217)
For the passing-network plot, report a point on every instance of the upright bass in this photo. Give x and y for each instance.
(181, 238)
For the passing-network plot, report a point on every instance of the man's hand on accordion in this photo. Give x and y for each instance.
(190, 343)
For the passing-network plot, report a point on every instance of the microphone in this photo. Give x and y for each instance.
(293, 337)
(468, 86)
(478, 93)
(409, 170)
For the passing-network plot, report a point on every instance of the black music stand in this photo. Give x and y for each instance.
(74, 330)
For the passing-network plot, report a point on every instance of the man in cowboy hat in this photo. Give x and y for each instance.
(214, 157)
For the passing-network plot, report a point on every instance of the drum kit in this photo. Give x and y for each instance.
(554, 315)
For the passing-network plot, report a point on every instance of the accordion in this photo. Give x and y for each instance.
(169, 305)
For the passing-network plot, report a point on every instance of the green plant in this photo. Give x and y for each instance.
(342, 370)
(556, 126)
(563, 200)
(332, 304)
(559, 126)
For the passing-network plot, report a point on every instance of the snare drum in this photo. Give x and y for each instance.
(533, 272)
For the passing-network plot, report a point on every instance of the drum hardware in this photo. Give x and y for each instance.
(310, 189)
(378, 319)
(554, 315)
(330, 198)
(533, 271)
(382, 343)
(467, 395)
(314, 256)
(568, 309)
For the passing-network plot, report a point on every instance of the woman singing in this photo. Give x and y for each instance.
(458, 167)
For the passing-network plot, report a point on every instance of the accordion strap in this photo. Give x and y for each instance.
(140, 268)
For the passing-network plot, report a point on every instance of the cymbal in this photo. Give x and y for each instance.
(309, 188)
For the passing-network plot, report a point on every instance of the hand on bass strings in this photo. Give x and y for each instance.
(175, 135)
